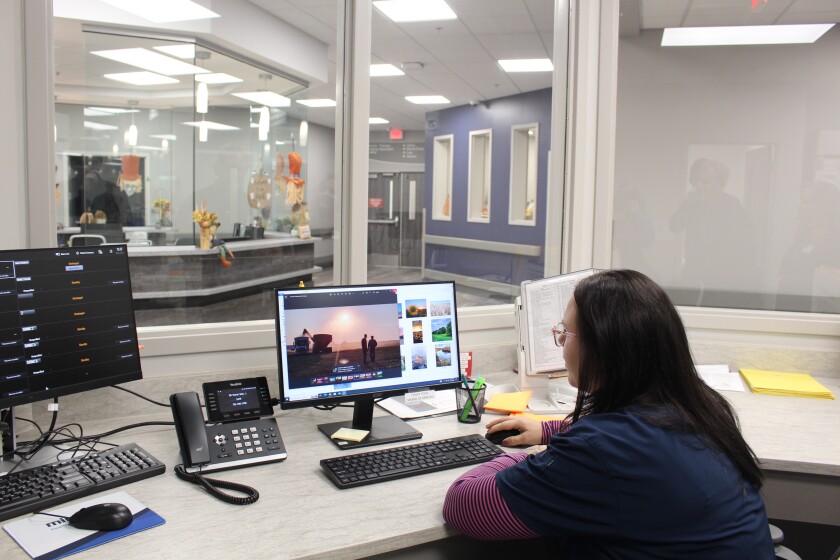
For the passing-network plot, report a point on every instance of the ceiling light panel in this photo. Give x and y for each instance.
(217, 78)
(151, 61)
(210, 125)
(377, 70)
(377, 120)
(743, 35)
(141, 78)
(317, 102)
(178, 51)
(412, 10)
(527, 65)
(268, 98)
(99, 126)
(112, 110)
(427, 99)
(163, 11)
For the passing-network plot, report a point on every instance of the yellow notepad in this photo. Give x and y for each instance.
(785, 384)
(509, 402)
(349, 434)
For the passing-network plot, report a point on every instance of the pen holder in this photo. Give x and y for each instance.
(469, 404)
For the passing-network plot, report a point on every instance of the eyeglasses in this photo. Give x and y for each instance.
(560, 333)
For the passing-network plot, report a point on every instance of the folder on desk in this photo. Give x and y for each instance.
(785, 384)
(509, 402)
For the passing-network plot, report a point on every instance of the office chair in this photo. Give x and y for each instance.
(86, 240)
(782, 552)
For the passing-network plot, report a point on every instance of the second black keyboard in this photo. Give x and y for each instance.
(348, 471)
(41, 487)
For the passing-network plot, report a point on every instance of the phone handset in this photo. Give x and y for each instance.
(195, 450)
(189, 425)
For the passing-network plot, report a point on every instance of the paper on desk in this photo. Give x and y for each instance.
(439, 403)
(53, 537)
(509, 402)
(719, 378)
(785, 384)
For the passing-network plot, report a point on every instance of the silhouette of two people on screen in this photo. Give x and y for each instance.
(369, 346)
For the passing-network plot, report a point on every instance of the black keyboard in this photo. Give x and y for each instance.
(399, 462)
(41, 487)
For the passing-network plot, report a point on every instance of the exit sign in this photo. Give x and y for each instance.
(396, 134)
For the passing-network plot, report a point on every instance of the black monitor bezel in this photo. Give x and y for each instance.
(28, 398)
(281, 347)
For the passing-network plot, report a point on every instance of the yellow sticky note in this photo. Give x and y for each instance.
(349, 434)
(509, 402)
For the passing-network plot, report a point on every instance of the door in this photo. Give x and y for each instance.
(395, 202)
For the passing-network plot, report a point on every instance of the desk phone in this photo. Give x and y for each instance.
(241, 432)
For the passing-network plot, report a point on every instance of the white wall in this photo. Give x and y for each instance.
(12, 140)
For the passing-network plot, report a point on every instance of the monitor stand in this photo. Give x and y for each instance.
(383, 429)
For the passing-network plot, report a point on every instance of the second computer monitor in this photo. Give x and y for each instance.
(358, 343)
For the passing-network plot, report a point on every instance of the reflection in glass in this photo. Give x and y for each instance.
(728, 186)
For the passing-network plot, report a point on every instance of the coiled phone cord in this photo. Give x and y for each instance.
(212, 485)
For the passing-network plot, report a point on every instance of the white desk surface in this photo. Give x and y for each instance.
(300, 514)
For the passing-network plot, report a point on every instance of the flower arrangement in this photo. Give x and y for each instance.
(162, 205)
(208, 222)
(204, 218)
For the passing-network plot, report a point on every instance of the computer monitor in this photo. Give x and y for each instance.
(66, 322)
(320, 333)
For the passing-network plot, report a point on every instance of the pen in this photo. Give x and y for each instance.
(472, 393)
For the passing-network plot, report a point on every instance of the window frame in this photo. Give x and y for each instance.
(581, 161)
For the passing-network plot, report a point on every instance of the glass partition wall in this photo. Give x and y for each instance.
(201, 167)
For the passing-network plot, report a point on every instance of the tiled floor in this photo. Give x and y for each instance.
(261, 305)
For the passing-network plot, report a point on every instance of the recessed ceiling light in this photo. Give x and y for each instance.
(141, 78)
(99, 126)
(744, 35)
(106, 111)
(385, 70)
(317, 102)
(377, 120)
(151, 61)
(526, 65)
(162, 11)
(164, 136)
(427, 99)
(411, 10)
(178, 51)
(210, 125)
(217, 78)
(267, 98)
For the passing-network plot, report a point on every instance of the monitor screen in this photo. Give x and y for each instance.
(66, 322)
(354, 343)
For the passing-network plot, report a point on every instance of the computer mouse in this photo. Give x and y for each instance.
(102, 517)
(498, 437)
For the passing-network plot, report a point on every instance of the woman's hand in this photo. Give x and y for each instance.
(530, 430)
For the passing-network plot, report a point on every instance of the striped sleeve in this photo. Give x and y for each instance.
(474, 506)
(552, 427)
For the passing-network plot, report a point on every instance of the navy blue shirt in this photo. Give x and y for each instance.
(615, 486)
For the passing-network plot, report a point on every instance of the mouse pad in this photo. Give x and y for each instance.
(47, 538)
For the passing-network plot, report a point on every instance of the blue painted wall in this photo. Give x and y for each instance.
(499, 115)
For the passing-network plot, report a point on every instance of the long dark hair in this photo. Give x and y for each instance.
(634, 351)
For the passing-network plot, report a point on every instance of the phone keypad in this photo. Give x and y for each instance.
(247, 439)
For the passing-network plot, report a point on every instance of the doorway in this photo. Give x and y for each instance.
(395, 219)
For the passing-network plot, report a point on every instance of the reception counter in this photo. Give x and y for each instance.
(186, 275)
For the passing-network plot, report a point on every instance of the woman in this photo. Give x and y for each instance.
(651, 463)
